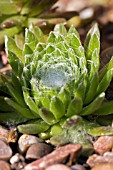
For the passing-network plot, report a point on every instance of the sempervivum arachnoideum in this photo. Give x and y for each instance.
(57, 83)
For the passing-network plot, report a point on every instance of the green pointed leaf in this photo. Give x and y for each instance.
(60, 28)
(26, 74)
(57, 107)
(74, 41)
(79, 91)
(33, 127)
(72, 30)
(16, 95)
(65, 97)
(13, 60)
(30, 39)
(92, 86)
(30, 102)
(9, 32)
(40, 47)
(35, 90)
(45, 102)
(74, 107)
(107, 67)
(11, 46)
(12, 118)
(16, 83)
(101, 131)
(23, 111)
(94, 105)
(27, 50)
(105, 109)
(95, 59)
(37, 32)
(49, 49)
(104, 83)
(47, 116)
(4, 106)
(7, 8)
(51, 38)
(92, 42)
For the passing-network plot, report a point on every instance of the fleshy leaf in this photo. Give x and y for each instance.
(11, 46)
(47, 116)
(104, 83)
(75, 107)
(92, 42)
(23, 111)
(94, 105)
(33, 127)
(57, 107)
(105, 109)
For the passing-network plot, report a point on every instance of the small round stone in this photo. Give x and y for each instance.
(4, 165)
(27, 140)
(5, 151)
(16, 158)
(17, 161)
(37, 150)
(58, 167)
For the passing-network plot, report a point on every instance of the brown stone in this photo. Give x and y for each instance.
(58, 167)
(103, 144)
(95, 159)
(5, 151)
(38, 150)
(4, 165)
(70, 151)
(4, 134)
(106, 166)
(25, 141)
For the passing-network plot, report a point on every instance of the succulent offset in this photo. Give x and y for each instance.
(15, 15)
(56, 85)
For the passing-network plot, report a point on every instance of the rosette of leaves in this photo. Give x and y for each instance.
(15, 15)
(57, 83)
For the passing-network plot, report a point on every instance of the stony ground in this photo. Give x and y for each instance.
(29, 152)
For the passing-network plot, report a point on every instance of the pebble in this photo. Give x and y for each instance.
(95, 159)
(59, 155)
(103, 144)
(78, 167)
(4, 165)
(107, 166)
(17, 161)
(4, 134)
(37, 150)
(25, 141)
(5, 151)
(16, 158)
(58, 167)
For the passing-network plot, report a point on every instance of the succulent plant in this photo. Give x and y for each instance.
(15, 15)
(57, 85)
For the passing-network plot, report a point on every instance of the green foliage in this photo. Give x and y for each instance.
(58, 81)
(16, 15)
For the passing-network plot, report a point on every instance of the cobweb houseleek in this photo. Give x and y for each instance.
(58, 84)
